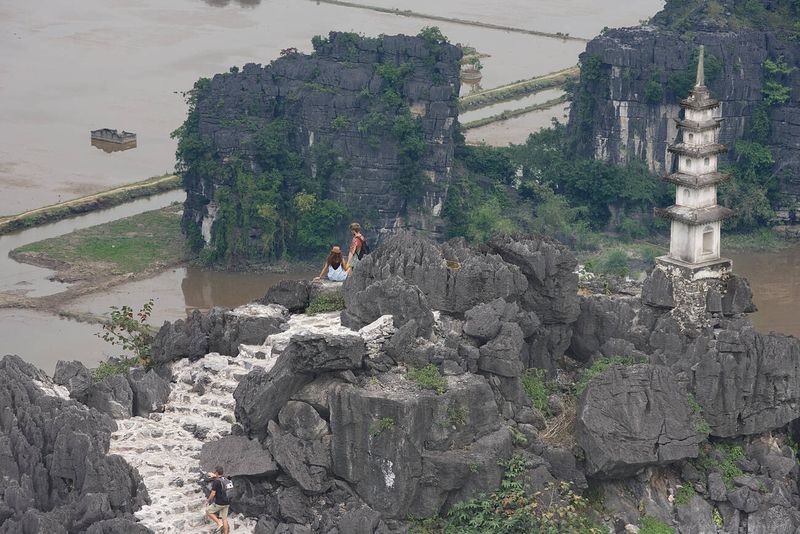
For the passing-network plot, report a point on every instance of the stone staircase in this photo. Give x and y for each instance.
(165, 447)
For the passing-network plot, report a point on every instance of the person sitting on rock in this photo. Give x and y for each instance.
(218, 500)
(358, 247)
(333, 269)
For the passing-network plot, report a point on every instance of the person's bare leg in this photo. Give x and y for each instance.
(217, 521)
(225, 526)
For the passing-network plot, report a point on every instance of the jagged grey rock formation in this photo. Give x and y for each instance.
(218, 331)
(616, 121)
(58, 476)
(392, 296)
(262, 394)
(327, 98)
(635, 416)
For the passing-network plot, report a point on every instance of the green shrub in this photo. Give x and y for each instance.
(631, 229)
(701, 425)
(616, 263)
(130, 330)
(598, 367)
(428, 377)
(721, 458)
(653, 92)
(684, 494)
(327, 302)
(652, 525)
(538, 389)
(510, 509)
(114, 367)
(385, 423)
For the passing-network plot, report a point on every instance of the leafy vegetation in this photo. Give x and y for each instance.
(598, 367)
(721, 458)
(383, 424)
(131, 332)
(428, 377)
(538, 388)
(684, 494)
(326, 302)
(701, 424)
(653, 525)
(555, 510)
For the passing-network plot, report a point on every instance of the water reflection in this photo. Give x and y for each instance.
(224, 3)
(108, 146)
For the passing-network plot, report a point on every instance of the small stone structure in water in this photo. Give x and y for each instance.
(109, 140)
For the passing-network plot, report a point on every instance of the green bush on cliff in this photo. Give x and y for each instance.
(554, 510)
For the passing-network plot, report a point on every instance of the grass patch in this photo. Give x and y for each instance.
(599, 367)
(538, 388)
(653, 525)
(428, 377)
(132, 244)
(761, 240)
(327, 302)
(684, 494)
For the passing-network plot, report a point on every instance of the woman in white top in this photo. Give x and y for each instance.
(333, 269)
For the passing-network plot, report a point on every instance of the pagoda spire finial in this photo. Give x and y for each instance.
(701, 68)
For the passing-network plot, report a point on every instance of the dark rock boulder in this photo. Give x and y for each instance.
(392, 296)
(303, 421)
(181, 339)
(261, 394)
(307, 462)
(408, 451)
(294, 295)
(112, 395)
(118, 526)
(630, 417)
(219, 330)
(238, 455)
(657, 290)
(603, 319)
(74, 376)
(250, 324)
(549, 267)
(150, 391)
(501, 355)
(749, 383)
(738, 297)
(452, 277)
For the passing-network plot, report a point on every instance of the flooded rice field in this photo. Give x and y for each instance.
(71, 67)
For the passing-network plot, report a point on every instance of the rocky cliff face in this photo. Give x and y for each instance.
(58, 477)
(633, 78)
(369, 123)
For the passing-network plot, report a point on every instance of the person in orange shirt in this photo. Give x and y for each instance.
(358, 247)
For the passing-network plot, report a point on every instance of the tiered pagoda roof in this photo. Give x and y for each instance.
(699, 99)
(697, 181)
(698, 151)
(695, 216)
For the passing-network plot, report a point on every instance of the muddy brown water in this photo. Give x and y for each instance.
(71, 67)
(775, 280)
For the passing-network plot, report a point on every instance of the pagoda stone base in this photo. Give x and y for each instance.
(695, 293)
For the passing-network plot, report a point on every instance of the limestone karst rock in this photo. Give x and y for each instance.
(632, 417)
(58, 475)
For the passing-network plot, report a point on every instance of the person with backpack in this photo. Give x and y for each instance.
(358, 247)
(218, 500)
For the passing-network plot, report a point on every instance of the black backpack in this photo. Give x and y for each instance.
(225, 488)
(364, 250)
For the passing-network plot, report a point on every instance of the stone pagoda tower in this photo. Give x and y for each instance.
(693, 277)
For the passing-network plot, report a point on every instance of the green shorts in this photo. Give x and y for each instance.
(220, 509)
(353, 262)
